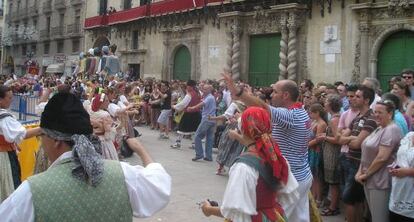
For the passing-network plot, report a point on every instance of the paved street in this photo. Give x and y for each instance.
(191, 181)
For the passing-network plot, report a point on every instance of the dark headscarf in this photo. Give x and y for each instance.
(65, 119)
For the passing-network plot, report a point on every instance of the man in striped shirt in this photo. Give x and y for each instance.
(291, 129)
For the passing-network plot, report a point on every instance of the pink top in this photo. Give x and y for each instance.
(345, 122)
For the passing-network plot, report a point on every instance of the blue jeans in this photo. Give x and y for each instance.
(205, 129)
(353, 191)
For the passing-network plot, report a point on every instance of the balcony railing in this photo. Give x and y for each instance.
(76, 2)
(44, 34)
(33, 12)
(73, 29)
(60, 4)
(153, 9)
(47, 7)
(57, 31)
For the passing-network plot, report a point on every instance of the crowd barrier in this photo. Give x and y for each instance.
(25, 105)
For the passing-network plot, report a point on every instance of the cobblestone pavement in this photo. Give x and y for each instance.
(192, 182)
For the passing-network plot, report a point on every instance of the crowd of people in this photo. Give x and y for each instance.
(284, 147)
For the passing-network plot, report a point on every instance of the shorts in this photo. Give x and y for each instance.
(353, 191)
(164, 117)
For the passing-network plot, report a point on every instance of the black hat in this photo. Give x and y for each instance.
(65, 113)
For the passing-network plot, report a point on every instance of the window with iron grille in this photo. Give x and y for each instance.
(135, 40)
(60, 46)
(75, 45)
(46, 48)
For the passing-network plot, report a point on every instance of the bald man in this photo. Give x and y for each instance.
(207, 127)
(291, 129)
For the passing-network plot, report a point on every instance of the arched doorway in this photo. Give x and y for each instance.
(396, 54)
(182, 64)
(101, 41)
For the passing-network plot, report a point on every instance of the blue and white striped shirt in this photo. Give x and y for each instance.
(291, 130)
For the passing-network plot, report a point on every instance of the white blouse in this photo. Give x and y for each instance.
(239, 201)
(230, 111)
(149, 190)
(12, 130)
(402, 189)
(184, 103)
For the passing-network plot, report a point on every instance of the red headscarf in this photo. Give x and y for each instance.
(256, 125)
(97, 102)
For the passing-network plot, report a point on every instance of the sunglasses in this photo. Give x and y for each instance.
(386, 102)
(407, 77)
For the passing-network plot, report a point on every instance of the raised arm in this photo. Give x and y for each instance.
(240, 94)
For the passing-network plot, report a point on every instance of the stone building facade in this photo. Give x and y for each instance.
(42, 32)
(259, 41)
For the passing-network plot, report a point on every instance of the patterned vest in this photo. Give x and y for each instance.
(267, 208)
(58, 196)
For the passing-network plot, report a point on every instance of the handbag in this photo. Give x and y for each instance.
(126, 151)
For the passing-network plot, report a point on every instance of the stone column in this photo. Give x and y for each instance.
(364, 56)
(229, 50)
(292, 46)
(235, 59)
(166, 67)
(283, 47)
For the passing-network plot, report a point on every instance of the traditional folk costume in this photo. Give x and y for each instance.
(79, 185)
(102, 127)
(12, 132)
(229, 149)
(255, 178)
(191, 118)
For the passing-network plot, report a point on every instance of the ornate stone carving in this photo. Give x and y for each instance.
(356, 71)
(189, 36)
(235, 68)
(263, 24)
(229, 43)
(364, 27)
(292, 46)
(283, 47)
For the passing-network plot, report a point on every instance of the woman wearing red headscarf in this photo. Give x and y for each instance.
(256, 176)
(102, 123)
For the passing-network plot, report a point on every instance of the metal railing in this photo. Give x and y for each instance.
(57, 31)
(76, 2)
(60, 4)
(73, 29)
(47, 6)
(25, 105)
(44, 34)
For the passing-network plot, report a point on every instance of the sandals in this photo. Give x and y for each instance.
(329, 212)
(319, 203)
(220, 171)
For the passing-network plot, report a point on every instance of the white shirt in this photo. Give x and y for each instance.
(239, 201)
(230, 111)
(227, 97)
(113, 109)
(148, 189)
(184, 103)
(402, 189)
(12, 130)
(124, 100)
(376, 99)
(39, 108)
